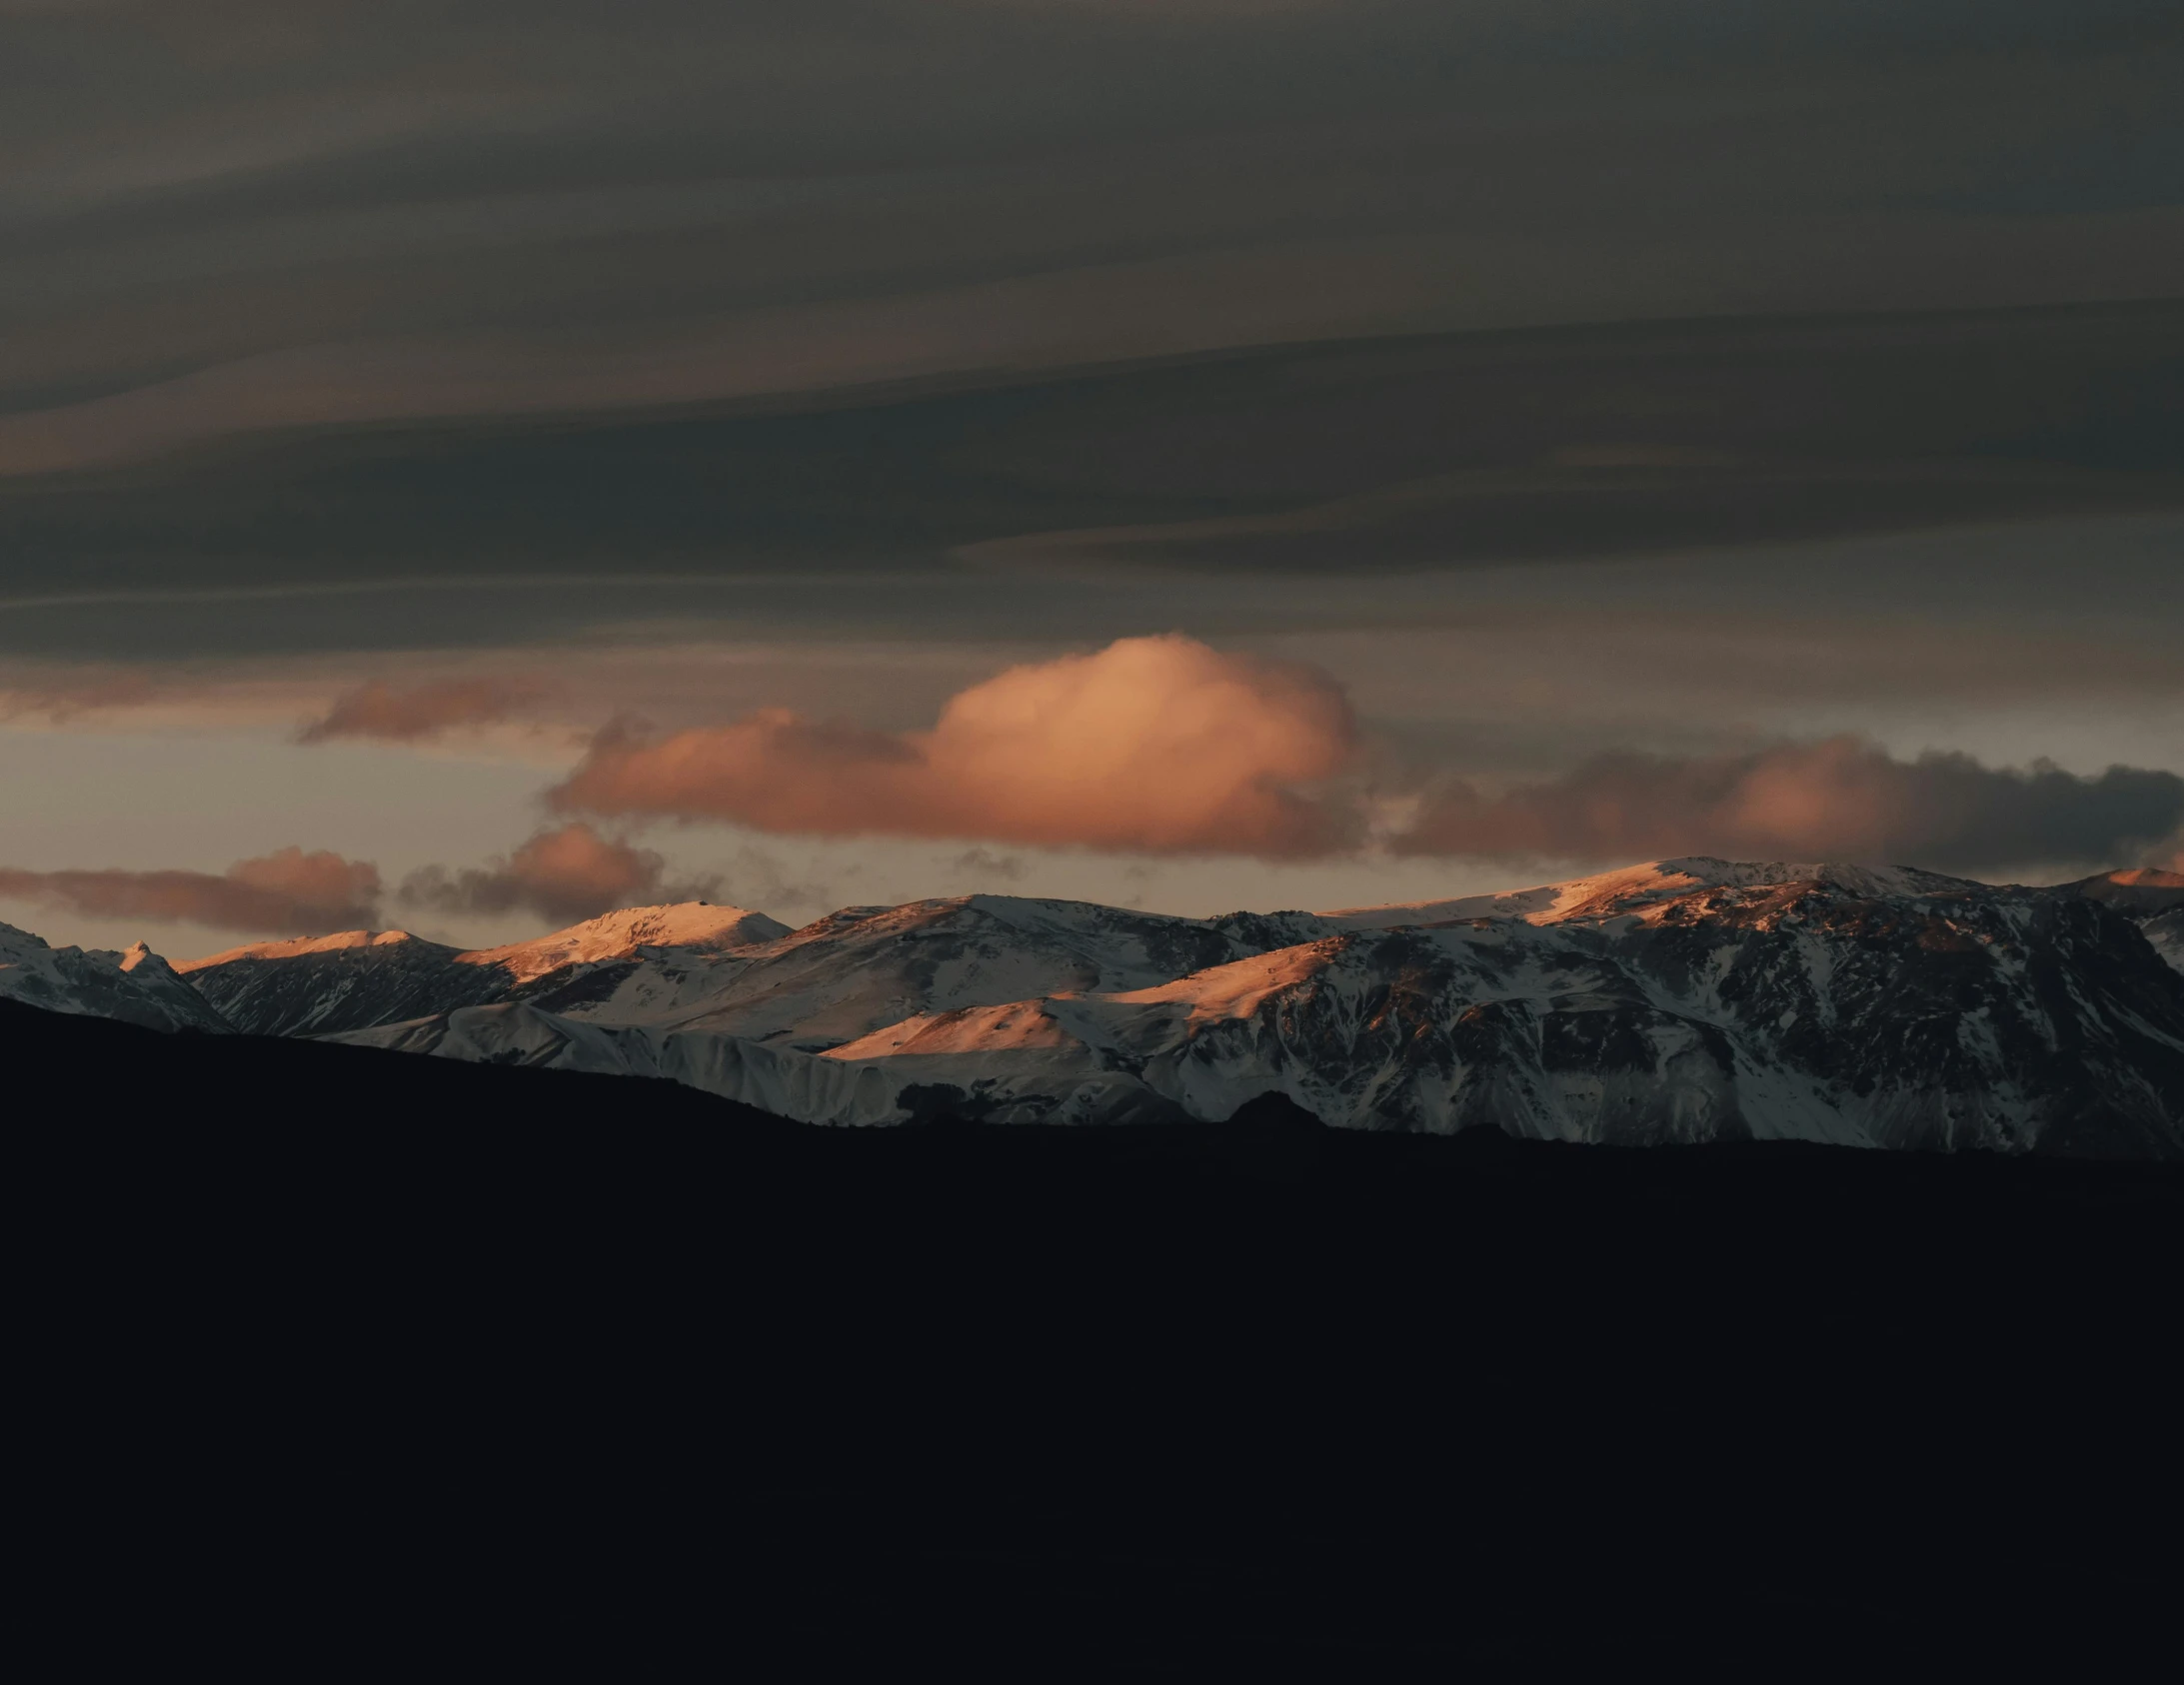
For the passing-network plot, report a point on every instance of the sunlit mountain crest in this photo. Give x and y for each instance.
(1631, 888)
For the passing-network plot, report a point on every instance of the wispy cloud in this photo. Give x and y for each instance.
(286, 893)
(984, 863)
(383, 711)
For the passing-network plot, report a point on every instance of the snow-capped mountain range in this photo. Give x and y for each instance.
(1680, 1001)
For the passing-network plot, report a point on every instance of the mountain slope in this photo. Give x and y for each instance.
(2152, 898)
(698, 927)
(865, 968)
(346, 981)
(1678, 1000)
(2142, 892)
(136, 985)
(2166, 934)
(1660, 1005)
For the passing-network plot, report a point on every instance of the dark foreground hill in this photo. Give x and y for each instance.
(337, 1350)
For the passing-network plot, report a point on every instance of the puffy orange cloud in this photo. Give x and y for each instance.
(380, 710)
(286, 893)
(1840, 799)
(568, 874)
(1154, 743)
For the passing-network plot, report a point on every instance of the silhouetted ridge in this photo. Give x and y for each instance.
(1310, 1392)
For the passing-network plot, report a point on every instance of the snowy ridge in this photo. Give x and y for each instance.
(135, 985)
(2144, 892)
(1631, 888)
(296, 947)
(1658, 1005)
(633, 963)
(859, 971)
(699, 926)
(1676, 1000)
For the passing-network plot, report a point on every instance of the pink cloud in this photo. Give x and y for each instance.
(1154, 743)
(380, 710)
(286, 893)
(1840, 799)
(573, 872)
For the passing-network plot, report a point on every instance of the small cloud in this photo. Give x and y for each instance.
(570, 873)
(381, 712)
(286, 893)
(983, 862)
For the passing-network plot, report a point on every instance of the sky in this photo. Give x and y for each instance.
(466, 466)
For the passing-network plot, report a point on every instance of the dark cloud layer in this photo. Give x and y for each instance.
(1837, 799)
(393, 714)
(498, 288)
(1398, 453)
(219, 216)
(286, 893)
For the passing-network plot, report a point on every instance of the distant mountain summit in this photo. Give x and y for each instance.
(2154, 898)
(2144, 892)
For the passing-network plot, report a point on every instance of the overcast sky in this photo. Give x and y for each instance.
(392, 397)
